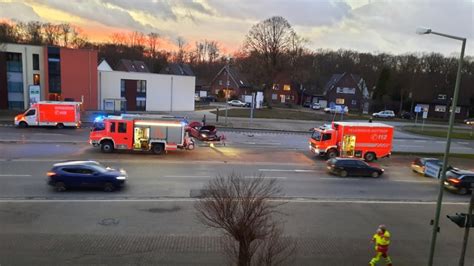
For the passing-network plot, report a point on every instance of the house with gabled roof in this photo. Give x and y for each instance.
(347, 89)
(231, 82)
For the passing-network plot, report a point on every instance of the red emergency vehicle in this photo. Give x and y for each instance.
(353, 139)
(51, 113)
(140, 133)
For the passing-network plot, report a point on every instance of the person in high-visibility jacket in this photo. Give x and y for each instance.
(382, 240)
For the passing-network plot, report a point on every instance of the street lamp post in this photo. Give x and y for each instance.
(448, 137)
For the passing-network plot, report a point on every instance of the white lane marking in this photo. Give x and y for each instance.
(259, 143)
(290, 200)
(411, 181)
(268, 177)
(187, 176)
(13, 175)
(440, 141)
(417, 146)
(419, 140)
(463, 143)
(288, 170)
(463, 148)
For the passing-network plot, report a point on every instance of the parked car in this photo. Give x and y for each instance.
(419, 165)
(197, 98)
(407, 115)
(85, 174)
(384, 114)
(352, 167)
(203, 133)
(336, 109)
(460, 181)
(469, 121)
(316, 106)
(237, 103)
(208, 99)
(307, 104)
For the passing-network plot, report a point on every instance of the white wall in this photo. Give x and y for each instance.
(163, 92)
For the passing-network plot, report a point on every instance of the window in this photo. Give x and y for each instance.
(276, 87)
(36, 79)
(274, 96)
(220, 82)
(286, 87)
(112, 127)
(228, 83)
(122, 127)
(458, 109)
(141, 86)
(354, 102)
(441, 96)
(440, 108)
(340, 101)
(36, 65)
(141, 104)
(122, 88)
(326, 137)
(71, 170)
(31, 112)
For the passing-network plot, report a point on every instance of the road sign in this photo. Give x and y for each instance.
(417, 109)
(425, 114)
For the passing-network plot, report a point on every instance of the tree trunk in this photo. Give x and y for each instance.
(244, 254)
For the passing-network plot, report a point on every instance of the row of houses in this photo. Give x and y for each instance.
(73, 74)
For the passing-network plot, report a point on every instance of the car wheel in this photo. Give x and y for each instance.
(369, 157)
(462, 191)
(375, 174)
(60, 125)
(109, 187)
(343, 173)
(23, 124)
(59, 186)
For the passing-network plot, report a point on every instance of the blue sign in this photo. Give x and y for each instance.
(418, 109)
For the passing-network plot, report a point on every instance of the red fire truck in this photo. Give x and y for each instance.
(51, 113)
(353, 139)
(140, 133)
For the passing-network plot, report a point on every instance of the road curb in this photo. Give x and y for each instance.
(43, 141)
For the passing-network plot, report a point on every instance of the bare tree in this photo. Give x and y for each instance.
(152, 39)
(181, 54)
(119, 38)
(51, 33)
(269, 41)
(32, 32)
(65, 30)
(241, 207)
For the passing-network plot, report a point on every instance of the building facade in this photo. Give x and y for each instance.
(133, 91)
(30, 73)
(21, 70)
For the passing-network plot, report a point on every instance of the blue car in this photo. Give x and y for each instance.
(85, 174)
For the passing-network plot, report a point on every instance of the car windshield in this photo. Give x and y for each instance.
(316, 135)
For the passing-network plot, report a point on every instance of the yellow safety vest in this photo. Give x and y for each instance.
(382, 241)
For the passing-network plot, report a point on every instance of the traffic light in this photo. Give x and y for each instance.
(462, 219)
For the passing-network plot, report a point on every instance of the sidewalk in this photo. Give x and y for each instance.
(87, 117)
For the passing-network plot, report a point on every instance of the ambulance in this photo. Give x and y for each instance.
(51, 113)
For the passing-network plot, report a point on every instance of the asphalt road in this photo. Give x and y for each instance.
(152, 220)
(403, 142)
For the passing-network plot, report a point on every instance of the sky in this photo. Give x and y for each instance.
(362, 25)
